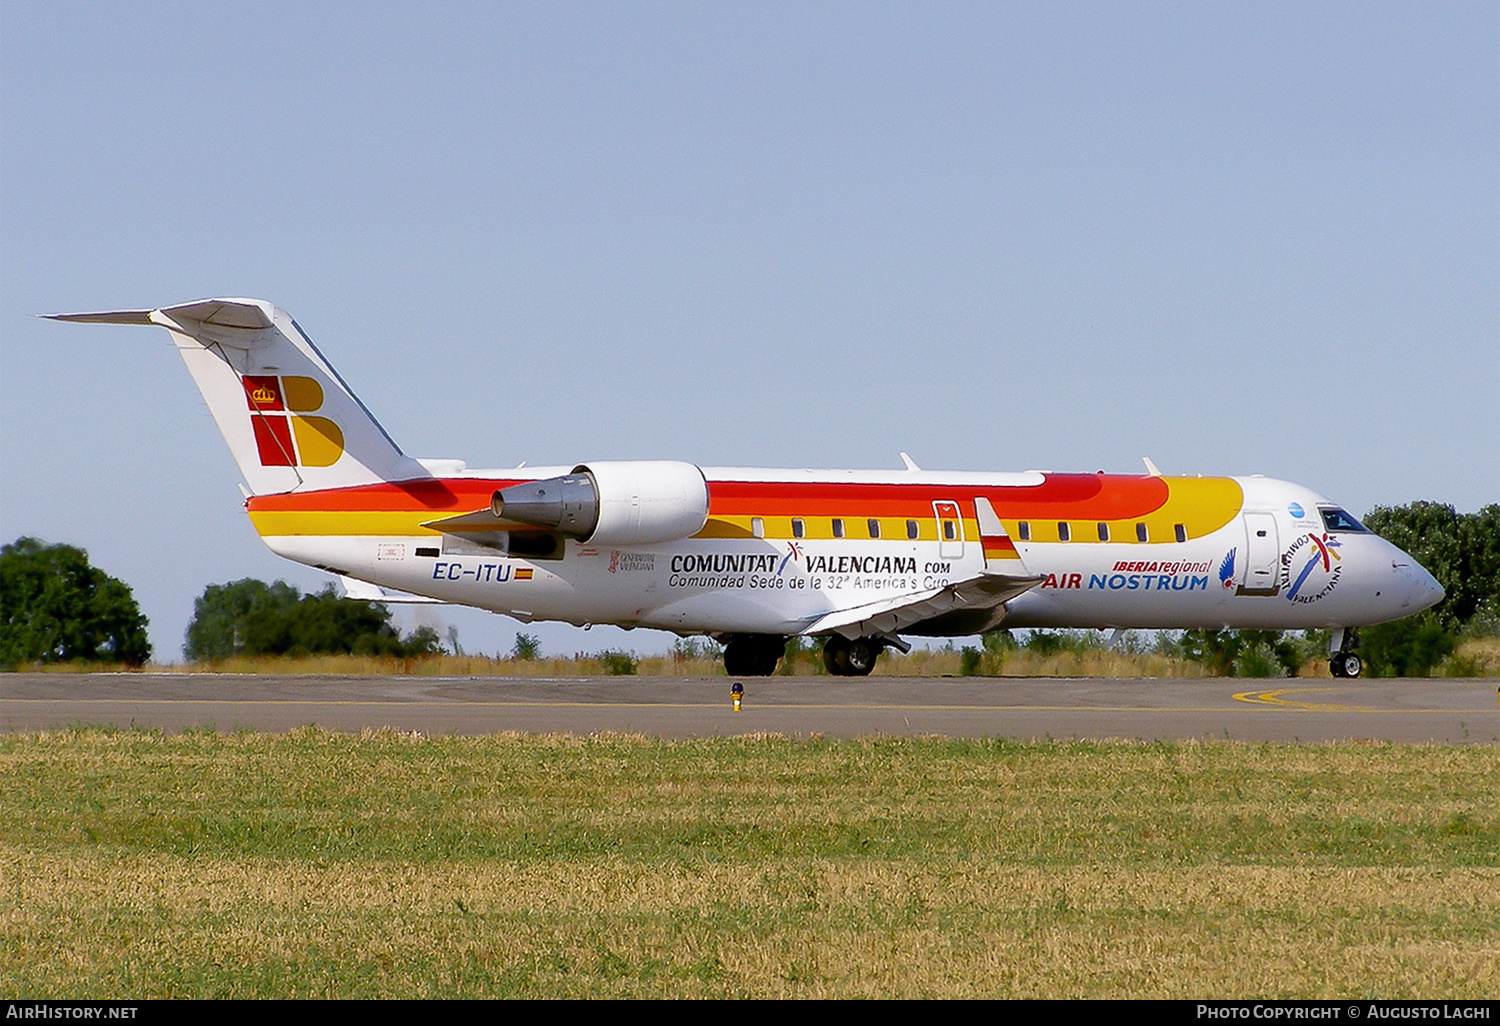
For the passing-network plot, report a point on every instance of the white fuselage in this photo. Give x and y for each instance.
(1266, 566)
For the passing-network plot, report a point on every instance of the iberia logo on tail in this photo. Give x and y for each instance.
(283, 436)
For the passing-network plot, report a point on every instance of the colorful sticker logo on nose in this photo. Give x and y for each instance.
(1310, 567)
(283, 437)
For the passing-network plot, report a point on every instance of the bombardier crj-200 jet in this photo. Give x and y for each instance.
(751, 557)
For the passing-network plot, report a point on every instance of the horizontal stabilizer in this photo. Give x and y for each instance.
(289, 419)
(252, 314)
(115, 317)
(364, 591)
(891, 616)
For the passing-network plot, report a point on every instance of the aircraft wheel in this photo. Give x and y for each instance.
(737, 659)
(1350, 664)
(770, 651)
(1336, 665)
(862, 655)
(836, 655)
(752, 655)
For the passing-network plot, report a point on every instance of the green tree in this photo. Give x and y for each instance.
(999, 642)
(56, 607)
(250, 617)
(1243, 653)
(221, 627)
(1406, 648)
(1047, 643)
(968, 661)
(527, 646)
(618, 663)
(1479, 544)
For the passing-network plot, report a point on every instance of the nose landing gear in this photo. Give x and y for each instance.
(1346, 664)
(1342, 660)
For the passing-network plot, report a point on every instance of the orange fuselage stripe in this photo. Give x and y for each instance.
(399, 509)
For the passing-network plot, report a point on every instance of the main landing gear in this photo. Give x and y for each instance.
(1342, 660)
(756, 655)
(753, 655)
(845, 658)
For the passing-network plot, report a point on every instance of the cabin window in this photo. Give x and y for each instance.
(1104, 532)
(911, 529)
(797, 529)
(423, 550)
(1140, 533)
(1063, 533)
(1024, 530)
(757, 527)
(1181, 532)
(874, 527)
(950, 531)
(838, 527)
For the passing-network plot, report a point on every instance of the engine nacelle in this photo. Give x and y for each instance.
(613, 503)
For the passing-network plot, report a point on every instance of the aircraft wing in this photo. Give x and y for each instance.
(891, 616)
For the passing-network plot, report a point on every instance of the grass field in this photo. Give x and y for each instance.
(314, 864)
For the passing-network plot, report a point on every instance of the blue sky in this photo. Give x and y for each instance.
(1254, 238)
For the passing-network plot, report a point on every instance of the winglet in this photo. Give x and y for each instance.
(999, 551)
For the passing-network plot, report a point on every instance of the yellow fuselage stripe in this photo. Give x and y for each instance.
(1201, 506)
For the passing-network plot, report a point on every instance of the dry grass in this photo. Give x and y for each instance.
(176, 927)
(919, 663)
(382, 865)
(1479, 656)
(1475, 657)
(1021, 662)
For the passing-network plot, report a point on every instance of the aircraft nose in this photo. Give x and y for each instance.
(1429, 591)
(1422, 589)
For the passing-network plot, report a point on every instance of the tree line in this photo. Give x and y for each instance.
(252, 618)
(55, 607)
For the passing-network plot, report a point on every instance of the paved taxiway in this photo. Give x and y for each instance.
(1440, 710)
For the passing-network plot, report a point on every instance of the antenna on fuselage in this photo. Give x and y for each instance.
(1151, 468)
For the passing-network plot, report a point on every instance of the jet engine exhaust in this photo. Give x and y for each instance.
(612, 503)
(568, 505)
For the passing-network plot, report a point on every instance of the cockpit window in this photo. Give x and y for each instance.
(1337, 520)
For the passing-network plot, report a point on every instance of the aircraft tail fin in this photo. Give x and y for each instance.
(288, 417)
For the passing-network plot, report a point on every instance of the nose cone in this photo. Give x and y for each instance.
(1416, 588)
(1424, 589)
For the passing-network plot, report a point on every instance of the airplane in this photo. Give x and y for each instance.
(752, 557)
